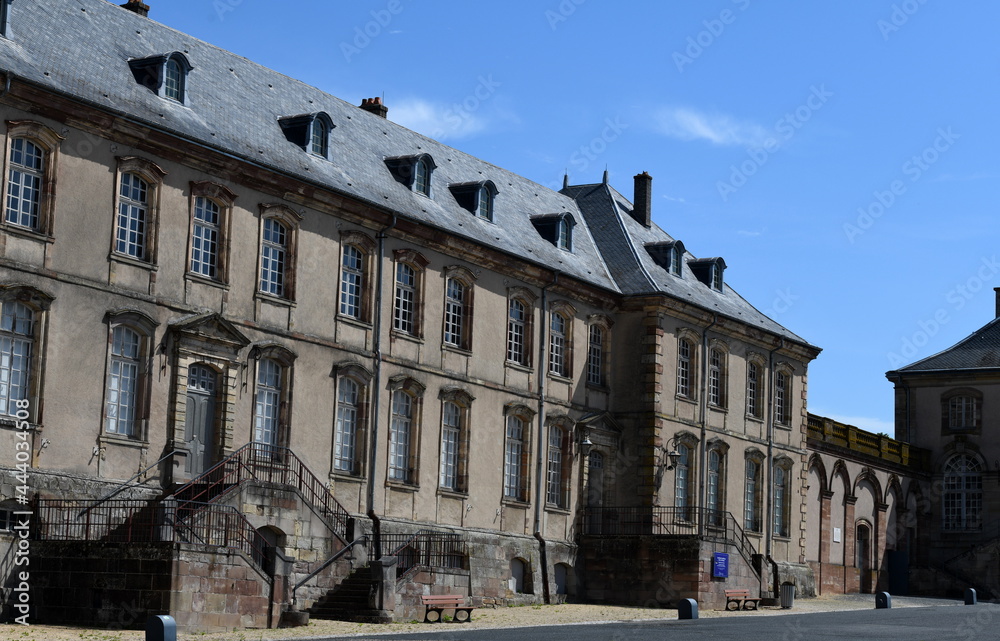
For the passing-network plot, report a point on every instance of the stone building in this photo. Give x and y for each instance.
(264, 351)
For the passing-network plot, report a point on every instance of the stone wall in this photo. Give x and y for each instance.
(100, 584)
(651, 571)
(424, 582)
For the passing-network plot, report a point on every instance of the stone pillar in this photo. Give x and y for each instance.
(383, 598)
(878, 546)
(650, 426)
(825, 535)
(850, 531)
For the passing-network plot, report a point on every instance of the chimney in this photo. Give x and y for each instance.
(137, 6)
(643, 202)
(375, 106)
(997, 290)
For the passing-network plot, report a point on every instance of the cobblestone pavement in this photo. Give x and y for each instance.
(482, 618)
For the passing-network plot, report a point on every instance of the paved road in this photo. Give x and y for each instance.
(900, 624)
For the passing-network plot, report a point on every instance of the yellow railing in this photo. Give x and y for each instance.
(856, 439)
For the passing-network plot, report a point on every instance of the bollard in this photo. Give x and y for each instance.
(883, 601)
(970, 596)
(161, 628)
(687, 609)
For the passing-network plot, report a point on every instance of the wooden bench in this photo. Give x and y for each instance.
(742, 599)
(438, 603)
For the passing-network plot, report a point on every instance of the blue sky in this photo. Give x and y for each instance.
(839, 156)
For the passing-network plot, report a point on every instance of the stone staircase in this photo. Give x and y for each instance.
(351, 600)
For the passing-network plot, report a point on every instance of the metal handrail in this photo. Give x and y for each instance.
(327, 563)
(134, 477)
(269, 463)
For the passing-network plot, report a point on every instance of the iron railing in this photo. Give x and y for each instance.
(714, 525)
(137, 521)
(271, 464)
(426, 548)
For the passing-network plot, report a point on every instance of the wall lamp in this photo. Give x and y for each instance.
(671, 457)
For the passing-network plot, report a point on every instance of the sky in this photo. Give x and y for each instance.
(840, 156)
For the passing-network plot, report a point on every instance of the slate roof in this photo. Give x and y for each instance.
(622, 241)
(980, 350)
(81, 49)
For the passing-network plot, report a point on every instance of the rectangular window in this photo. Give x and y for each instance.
(595, 356)
(454, 309)
(123, 382)
(130, 236)
(557, 345)
(684, 368)
(714, 488)
(962, 413)
(16, 338)
(345, 443)
(513, 486)
(753, 395)
(274, 251)
(351, 282)
(782, 399)
(517, 317)
(205, 238)
(715, 387)
(24, 181)
(554, 489)
(751, 505)
(780, 501)
(681, 480)
(450, 432)
(267, 403)
(399, 437)
(404, 314)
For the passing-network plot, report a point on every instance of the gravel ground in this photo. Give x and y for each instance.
(482, 618)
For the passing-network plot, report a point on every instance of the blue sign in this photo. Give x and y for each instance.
(720, 565)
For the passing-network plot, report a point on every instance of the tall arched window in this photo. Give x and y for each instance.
(267, 404)
(557, 486)
(24, 183)
(751, 496)
(345, 441)
(754, 404)
(400, 437)
(682, 478)
(133, 217)
(516, 323)
(422, 178)
(451, 431)
(173, 86)
(684, 368)
(717, 378)
(454, 313)
(782, 398)
(715, 486)
(205, 237)
(963, 493)
(16, 344)
(558, 344)
(782, 497)
(123, 381)
(273, 258)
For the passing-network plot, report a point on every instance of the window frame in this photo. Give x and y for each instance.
(974, 398)
(152, 175)
(518, 492)
(560, 339)
(290, 220)
(365, 246)
(50, 143)
(144, 328)
(753, 493)
(284, 360)
(526, 299)
(462, 402)
(38, 303)
(962, 505)
(224, 199)
(782, 396)
(408, 323)
(413, 392)
(755, 389)
(686, 371)
(558, 463)
(718, 376)
(457, 321)
(781, 483)
(356, 375)
(715, 482)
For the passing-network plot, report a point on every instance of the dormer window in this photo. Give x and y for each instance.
(477, 197)
(709, 271)
(667, 255)
(413, 171)
(5, 18)
(556, 228)
(164, 75)
(309, 131)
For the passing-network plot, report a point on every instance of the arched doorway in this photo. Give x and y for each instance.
(863, 554)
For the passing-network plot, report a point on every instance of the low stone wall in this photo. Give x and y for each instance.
(424, 582)
(100, 584)
(652, 571)
(836, 579)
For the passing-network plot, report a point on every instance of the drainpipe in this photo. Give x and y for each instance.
(768, 516)
(539, 467)
(377, 387)
(703, 418)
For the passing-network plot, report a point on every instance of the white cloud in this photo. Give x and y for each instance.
(719, 129)
(674, 200)
(979, 175)
(747, 232)
(437, 120)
